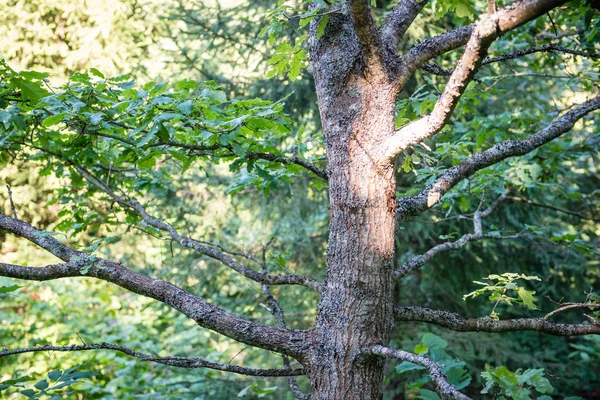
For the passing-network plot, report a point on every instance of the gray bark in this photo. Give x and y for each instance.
(357, 110)
(357, 82)
(358, 77)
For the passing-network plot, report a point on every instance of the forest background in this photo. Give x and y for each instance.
(222, 41)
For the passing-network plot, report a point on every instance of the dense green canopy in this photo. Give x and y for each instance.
(205, 113)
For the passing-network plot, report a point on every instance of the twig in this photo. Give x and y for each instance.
(12, 203)
(571, 306)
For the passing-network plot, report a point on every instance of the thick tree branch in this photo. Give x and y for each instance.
(183, 362)
(199, 247)
(458, 323)
(399, 20)
(79, 264)
(508, 18)
(434, 369)
(427, 198)
(484, 33)
(368, 35)
(422, 259)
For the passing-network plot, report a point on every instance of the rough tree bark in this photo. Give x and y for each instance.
(356, 308)
(358, 77)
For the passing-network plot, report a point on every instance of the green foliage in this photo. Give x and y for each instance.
(290, 60)
(432, 347)
(130, 127)
(56, 386)
(63, 37)
(461, 8)
(202, 40)
(518, 385)
(504, 288)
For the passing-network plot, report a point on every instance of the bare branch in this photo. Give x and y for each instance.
(484, 33)
(570, 306)
(183, 362)
(428, 197)
(199, 247)
(430, 48)
(79, 264)
(550, 207)
(553, 36)
(547, 48)
(508, 18)
(288, 160)
(420, 260)
(12, 203)
(434, 369)
(458, 323)
(399, 20)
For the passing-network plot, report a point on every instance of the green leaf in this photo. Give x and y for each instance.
(28, 393)
(420, 348)
(405, 366)
(95, 118)
(262, 392)
(527, 298)
(147, 162)
(238, 149)
(430, 340)
(245, 390)
(41, 385)
(53, 119)
(97, 73)
(406, 164)
(32, 91)
(186, 107)
(30, 75)
(296, 63)
(462, 10)
(163, 133)
(5, 290)
(322, 25)
(54, 375)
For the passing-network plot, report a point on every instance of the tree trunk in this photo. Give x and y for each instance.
(356, 306)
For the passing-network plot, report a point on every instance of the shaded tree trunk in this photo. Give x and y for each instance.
(356, 306)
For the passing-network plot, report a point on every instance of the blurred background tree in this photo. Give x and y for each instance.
(222, 41)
